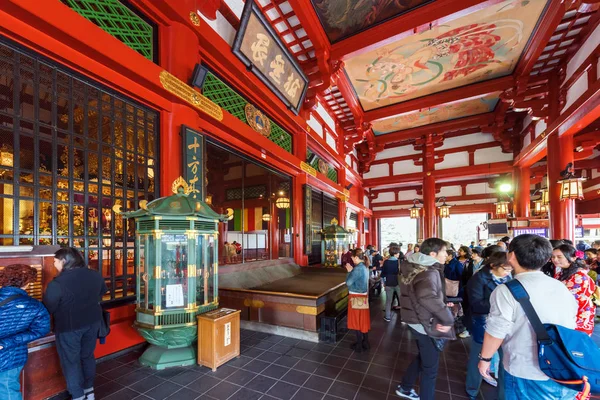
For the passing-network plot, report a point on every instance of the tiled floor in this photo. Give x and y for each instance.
(275, 367)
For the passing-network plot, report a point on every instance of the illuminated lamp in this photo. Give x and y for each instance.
(282, 202)
(266, 217)
(502, 209)
(444, 209)
(209, 199)
(505, 188)
(570, 185)
(415, 212)
(540, 206)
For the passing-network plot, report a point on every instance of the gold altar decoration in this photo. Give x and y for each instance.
(188, 94)
(194, 18)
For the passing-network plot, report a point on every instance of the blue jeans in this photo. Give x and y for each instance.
(389, 298)
(10, 387)
(474, 378)
(536, 390)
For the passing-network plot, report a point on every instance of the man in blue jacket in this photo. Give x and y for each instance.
(22, 320)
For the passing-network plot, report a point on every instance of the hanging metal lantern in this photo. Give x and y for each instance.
(571, 187)
(545, 196)
(282, 202)
(502, 209)
(415, 212)
(444, 210)
(266, 217)
(539, 208)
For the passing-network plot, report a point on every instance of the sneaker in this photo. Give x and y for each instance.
(407, 394)
(490, 381)
(386, 319)
(464, 335)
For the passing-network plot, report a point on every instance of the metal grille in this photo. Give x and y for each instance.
(70, 151)
(118, 20)
(176, 319)
(332, 173)
(230, 101)
(170, 225)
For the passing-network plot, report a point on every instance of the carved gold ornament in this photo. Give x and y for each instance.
(185, 92)
(194, 18)
(180, 183)
(323, 167)
(257, 120)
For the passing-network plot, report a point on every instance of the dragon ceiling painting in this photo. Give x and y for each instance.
(482, 45)
(446, 112)
(344, 18)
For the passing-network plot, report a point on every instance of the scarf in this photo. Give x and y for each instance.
(500, 281)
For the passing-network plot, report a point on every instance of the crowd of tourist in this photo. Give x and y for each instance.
(443, 293)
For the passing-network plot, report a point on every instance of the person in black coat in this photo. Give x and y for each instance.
(495, 272)
(73, 299)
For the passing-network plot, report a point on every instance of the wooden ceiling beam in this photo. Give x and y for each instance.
(399, 27)
(439, 128)
(442, 98)
(555, 11)
(417, 178)
(449, 199)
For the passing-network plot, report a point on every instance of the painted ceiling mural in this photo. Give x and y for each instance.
(343, 18)
(482, 45)
(433, 115)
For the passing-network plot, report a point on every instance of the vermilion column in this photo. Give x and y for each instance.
(429, 216)
(522, 183)
(178, 41)
(562, 213)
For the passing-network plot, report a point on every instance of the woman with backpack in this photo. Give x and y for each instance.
(23, 319)
(73, 298)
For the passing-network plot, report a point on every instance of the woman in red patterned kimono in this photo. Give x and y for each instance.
(574, 274)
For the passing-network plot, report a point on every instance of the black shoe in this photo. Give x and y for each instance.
(356, 347)
(366, 345)
(407, 394)
(386, 319)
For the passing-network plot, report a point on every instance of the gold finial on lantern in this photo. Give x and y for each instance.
(143, 204)
(180, 186)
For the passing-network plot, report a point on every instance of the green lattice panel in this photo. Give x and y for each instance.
(119, 21)
(331, 173)
(230, 101)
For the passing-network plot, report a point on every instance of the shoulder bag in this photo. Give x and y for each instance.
(567, 356)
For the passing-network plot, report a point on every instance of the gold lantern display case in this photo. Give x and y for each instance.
(336, 242)
(176, 260)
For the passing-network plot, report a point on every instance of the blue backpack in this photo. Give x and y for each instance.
(567, 356)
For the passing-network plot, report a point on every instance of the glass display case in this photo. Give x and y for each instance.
(336, 242)
(176, 265)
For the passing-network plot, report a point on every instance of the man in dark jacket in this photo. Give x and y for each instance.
(425, 310)
(73, 298)
(22, 320)
(389, 273)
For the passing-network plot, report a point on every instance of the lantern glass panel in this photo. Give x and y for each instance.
(153, 294)
(142, 272)
(174, 260)
(210, 268)
(201, 271)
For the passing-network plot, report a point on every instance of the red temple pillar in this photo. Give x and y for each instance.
(562, 212)
(176, 39)
(522, 183)
(274, 232)
(429, 216)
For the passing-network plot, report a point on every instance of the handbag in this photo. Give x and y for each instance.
(451, 287)
(104, 330)
(567, 356)
(359, 303)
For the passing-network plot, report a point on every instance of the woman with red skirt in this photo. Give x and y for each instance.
(359, 318)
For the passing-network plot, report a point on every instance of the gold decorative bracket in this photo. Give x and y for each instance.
(185, 92)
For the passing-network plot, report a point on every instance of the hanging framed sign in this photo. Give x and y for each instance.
(262, 51)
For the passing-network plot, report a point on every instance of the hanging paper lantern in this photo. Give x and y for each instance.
(282, 202)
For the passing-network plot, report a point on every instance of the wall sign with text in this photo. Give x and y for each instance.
(193, 161)
(259, 47)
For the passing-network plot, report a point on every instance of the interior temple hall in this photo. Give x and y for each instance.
(225, 199)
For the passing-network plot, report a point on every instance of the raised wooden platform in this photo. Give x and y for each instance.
(296, 302)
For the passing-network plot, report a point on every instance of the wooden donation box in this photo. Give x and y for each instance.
(218, 337)
(41, 377)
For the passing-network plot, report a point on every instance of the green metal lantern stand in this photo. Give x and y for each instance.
(336, 242)
(176, 260)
